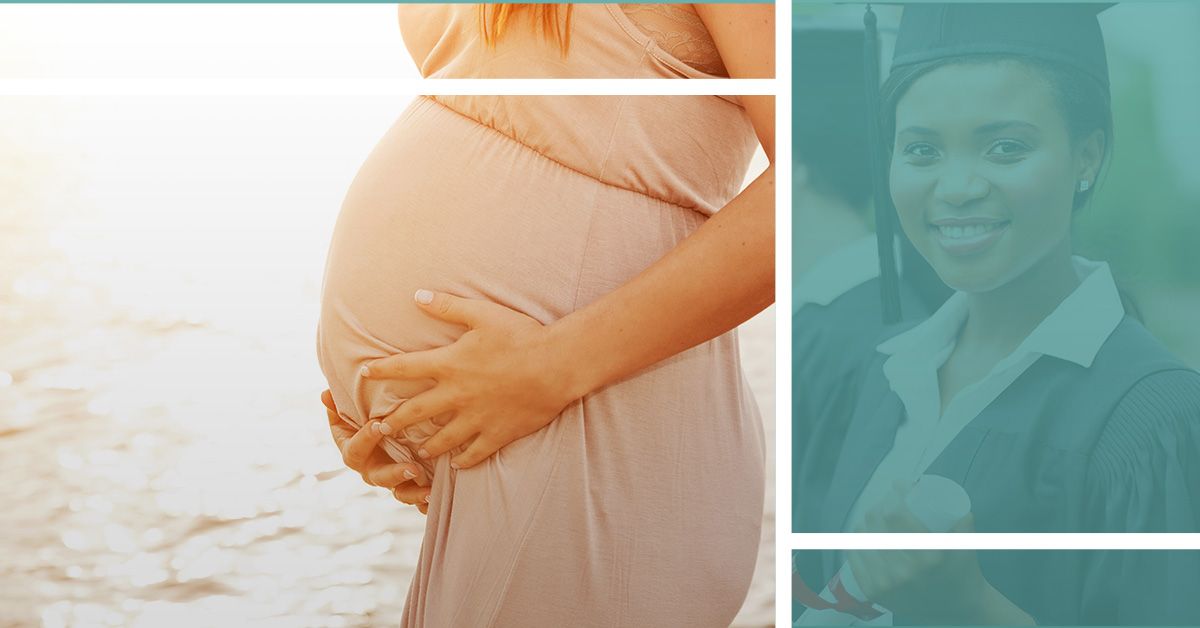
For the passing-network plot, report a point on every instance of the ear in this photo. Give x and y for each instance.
(1089, 155)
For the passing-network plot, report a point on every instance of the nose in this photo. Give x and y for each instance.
(959, 185)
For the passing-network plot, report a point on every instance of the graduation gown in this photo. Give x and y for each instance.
(831, 347)
(1110, 448)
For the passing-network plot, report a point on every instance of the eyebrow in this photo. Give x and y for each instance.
(987, 129)
(917, 130)
(1002, 125)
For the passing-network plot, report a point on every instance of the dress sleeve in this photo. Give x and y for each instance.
(1144, 476)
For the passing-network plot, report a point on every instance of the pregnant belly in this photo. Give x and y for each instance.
(447, 204)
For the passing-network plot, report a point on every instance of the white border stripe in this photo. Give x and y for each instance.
(783, 313)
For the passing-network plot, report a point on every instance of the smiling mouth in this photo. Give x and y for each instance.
(964, 237)
(958, 232)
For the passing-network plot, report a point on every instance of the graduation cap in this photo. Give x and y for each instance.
(1061, 33)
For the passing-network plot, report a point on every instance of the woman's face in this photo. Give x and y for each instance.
(983, 174)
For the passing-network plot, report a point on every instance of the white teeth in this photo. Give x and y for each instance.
(968, 231)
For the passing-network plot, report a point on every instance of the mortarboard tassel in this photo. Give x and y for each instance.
(889, 284)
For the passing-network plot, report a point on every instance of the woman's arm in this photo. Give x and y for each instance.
(717, 278)
(508, 376)
(722, 274)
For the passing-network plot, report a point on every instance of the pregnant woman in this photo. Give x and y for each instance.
(577, 242)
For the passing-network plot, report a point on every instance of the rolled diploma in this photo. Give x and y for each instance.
(938, 503)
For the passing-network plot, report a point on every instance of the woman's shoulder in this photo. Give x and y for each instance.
(1158, 386)
(1078, 407)
(1157, 419)
(1131, 364)
(1144, 472)
(1134, 346)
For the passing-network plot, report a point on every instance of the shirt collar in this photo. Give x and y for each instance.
(1078, 327)
(934, 333)
(1074, 331)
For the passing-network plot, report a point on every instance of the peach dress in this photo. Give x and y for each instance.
(641, 504)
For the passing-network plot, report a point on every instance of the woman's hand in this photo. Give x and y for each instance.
(509, 376)
(361, 453)
(927, 586)
(501, 380)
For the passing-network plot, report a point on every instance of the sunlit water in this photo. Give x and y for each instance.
(165, 456)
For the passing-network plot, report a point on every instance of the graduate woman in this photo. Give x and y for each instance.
(1031, 387)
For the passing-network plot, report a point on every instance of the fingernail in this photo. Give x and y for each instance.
(409, 474)
(426, 499)
(455, 466)
(424, 297)
(384, 428)
(422, 453)
(365, 371)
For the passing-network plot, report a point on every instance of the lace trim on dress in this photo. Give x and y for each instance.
(677, 29)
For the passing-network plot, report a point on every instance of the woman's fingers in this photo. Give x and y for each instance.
(413, 495)
(413, 365)
(475, 453)
(331, 412)
(456, 433)
(864, 574)
(392, 475)
(356, 450)
(469, 313)
(427, 405)
(966, 524)
(871, 522)
(338, 428)
(357, 447)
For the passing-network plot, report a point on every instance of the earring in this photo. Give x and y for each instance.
(1084, 185)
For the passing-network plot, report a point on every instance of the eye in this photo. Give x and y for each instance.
(920, 153)
(1008, 151)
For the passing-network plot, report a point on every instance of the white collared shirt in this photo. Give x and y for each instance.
(1075, 331)
(837, 273)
